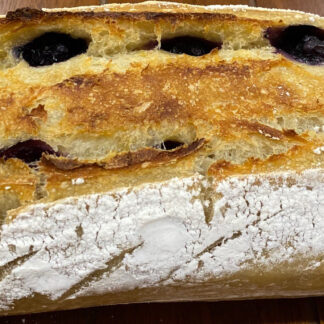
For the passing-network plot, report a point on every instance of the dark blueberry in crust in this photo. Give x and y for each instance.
(193, 46)
(51, 48)
(303, 43)
(169, 145)
(28, 151)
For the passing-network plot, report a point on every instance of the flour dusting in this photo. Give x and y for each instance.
(156, 235)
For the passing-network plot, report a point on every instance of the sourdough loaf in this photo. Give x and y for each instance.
(160, 152)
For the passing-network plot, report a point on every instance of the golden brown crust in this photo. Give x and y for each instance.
(112, 108)
(100, 105)
(18, 185)
(15, 173)
(59, 183)
(28, 15)
(298, 158)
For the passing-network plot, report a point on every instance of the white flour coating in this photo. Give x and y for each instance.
(74, 237)
(157, 234)
(318, 129)
(77, 181)
(161, 4)
(319, 150)
(164, 5)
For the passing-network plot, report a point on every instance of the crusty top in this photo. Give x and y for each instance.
(126, 111)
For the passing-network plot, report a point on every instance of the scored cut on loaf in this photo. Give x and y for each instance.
(160, 152)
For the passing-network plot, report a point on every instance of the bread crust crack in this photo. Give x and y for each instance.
(127, 159)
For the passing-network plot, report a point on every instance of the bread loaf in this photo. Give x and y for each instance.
(160, 152)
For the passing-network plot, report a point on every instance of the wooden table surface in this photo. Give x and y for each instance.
(284, 311)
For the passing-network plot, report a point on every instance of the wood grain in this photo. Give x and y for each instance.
(200, 2)
(320, 308)
(314, 6)
(7, 5)
(293, 311)
(289, 311)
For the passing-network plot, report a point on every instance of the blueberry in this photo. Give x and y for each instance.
(302, 43)
(28, 151)
(51, 48)
(193, 46)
